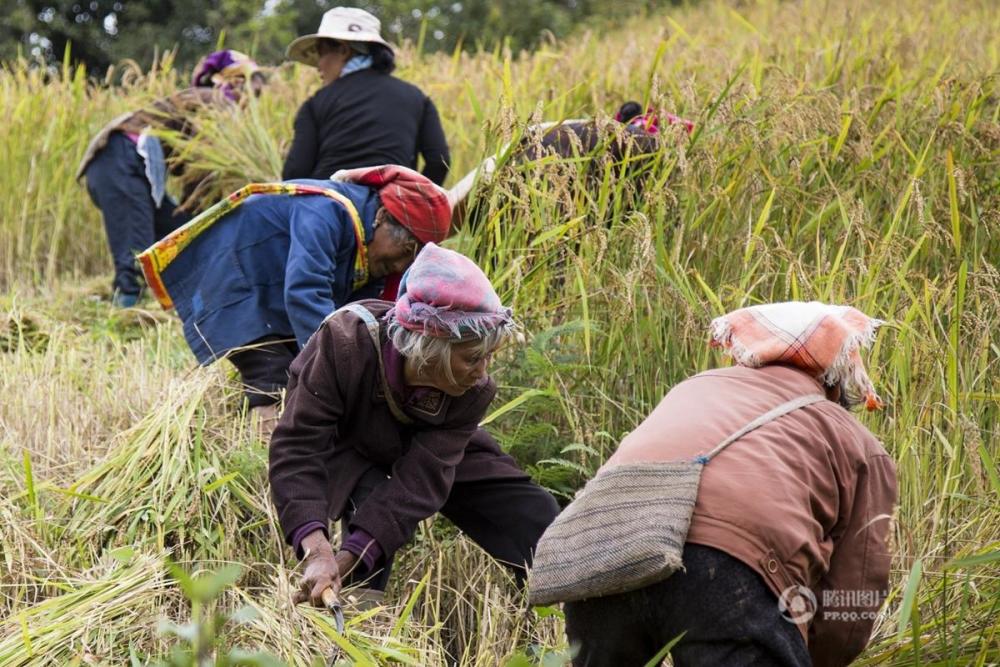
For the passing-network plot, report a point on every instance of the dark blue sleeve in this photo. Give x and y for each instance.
(316, 237)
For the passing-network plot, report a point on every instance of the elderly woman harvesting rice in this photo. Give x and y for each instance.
(750, 510)
(380, 430)
(254, 276)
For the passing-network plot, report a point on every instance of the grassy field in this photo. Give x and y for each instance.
(844, 151)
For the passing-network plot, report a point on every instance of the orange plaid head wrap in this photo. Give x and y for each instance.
(412, 199)
(821, 339)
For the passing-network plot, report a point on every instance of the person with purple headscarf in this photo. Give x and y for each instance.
(381, 430)
(229, 72)
(126, 169)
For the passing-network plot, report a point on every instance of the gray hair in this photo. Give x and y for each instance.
(846, 400)
(397, 232)
(430, 351)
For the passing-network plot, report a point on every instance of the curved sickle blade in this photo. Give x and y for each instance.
(332, 603)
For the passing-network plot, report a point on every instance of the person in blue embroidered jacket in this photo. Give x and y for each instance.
(255, 284)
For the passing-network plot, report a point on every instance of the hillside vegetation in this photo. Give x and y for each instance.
(844, 151)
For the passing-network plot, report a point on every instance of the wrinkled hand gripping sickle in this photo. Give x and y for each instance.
(332, 603)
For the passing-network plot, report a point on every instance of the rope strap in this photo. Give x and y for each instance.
(766, 418)
(372, 324)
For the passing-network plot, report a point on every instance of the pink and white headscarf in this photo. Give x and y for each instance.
(445, 295)
(821, 339)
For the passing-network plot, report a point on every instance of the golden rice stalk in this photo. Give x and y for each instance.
(83, 624)
(152, 482)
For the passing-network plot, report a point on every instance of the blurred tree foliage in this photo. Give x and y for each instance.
(104, 32)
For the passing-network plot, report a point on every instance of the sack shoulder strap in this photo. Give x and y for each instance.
(766, 418)
(373, 332)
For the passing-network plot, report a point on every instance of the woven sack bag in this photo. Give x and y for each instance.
(625, 530)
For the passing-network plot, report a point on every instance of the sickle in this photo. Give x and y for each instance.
(332, 602)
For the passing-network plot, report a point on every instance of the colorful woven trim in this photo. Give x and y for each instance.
(158, 256)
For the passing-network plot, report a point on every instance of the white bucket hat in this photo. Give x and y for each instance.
(344, 24)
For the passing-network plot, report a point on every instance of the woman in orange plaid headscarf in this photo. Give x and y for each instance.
(821, 339)
(789, 537)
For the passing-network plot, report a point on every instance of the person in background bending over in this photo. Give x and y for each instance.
(126, 169)
(787, 555)
(630, 113)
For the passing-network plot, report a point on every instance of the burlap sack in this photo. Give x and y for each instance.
(625, 529)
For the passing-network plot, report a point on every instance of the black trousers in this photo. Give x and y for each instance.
(117, 184)
(263, 367)
(503, 516)
(728, 614)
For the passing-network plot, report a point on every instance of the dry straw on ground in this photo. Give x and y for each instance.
(845, 151)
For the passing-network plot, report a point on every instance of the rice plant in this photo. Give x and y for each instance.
(843, 151)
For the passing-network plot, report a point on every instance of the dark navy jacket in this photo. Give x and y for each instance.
(275, 266)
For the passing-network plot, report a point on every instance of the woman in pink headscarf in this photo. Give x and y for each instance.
(381, 430)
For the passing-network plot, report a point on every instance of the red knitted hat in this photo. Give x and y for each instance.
(412, 199)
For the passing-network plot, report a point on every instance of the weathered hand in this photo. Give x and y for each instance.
(322, 571)
(345, 562)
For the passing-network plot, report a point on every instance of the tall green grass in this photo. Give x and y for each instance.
(844, 151)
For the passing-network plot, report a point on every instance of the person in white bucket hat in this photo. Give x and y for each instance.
(362, 116)
(343, 24)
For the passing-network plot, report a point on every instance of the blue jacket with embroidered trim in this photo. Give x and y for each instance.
(275, 266)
